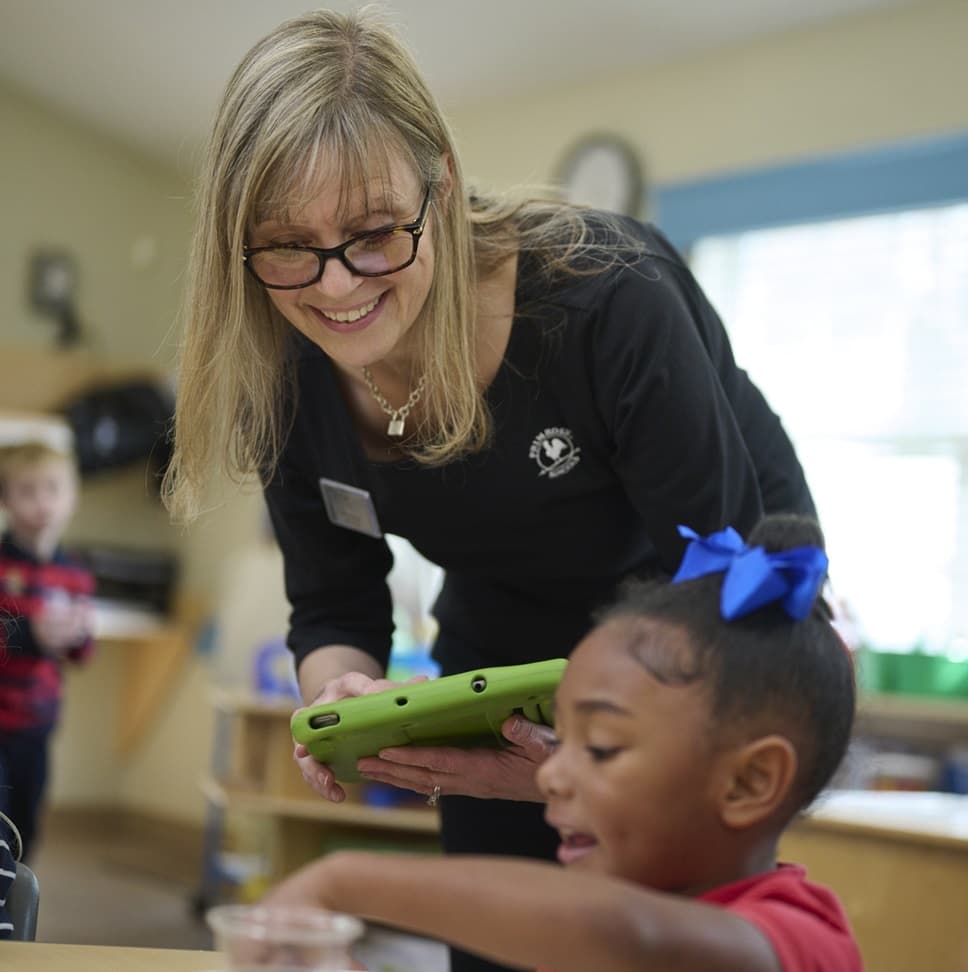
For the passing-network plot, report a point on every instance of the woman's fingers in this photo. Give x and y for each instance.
(318, 776)
(348, 685)
(507, 773)
(537, 741)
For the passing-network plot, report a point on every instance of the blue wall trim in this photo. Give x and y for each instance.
(906, 175)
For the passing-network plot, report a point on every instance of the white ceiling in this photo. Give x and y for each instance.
(150, 71)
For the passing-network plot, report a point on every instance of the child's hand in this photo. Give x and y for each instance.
(84, 608)
(60, 627)
(287, 928)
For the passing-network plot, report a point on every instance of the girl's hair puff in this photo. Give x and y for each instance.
(766, 671)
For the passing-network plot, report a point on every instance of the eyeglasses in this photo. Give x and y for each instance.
(372, 254)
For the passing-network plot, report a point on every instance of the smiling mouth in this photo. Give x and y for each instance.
(574, 846)
(574, 839)
(350, 316)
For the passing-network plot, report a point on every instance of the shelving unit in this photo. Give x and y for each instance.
(154, 651)
(352, 813)
(254, 774)
(913, 718)
(898, 861)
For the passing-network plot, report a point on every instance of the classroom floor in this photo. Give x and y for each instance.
(101, 885)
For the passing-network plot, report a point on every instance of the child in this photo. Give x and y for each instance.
(45, 617)
(693, 723)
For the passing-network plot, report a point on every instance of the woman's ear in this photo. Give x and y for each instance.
(446, 184)
(759, 777)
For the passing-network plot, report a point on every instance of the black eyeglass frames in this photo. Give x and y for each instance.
(371, 254)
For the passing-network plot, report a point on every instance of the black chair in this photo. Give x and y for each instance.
(23, 902)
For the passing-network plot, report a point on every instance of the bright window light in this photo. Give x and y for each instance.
(856, 330)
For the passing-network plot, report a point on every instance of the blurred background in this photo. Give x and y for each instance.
(810, 159)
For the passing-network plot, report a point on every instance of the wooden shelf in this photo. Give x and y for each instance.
(242, 703)
(903, 888)
(937, 819)
(38, 379)
(924, 719)
(153, 655)
(245, 799)
(254, 774)
(915, 707)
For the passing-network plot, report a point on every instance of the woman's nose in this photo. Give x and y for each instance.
(337, 280)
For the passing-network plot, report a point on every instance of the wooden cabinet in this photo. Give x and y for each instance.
(927, 721)
(899, 863)
(154, 650)
(254, 774)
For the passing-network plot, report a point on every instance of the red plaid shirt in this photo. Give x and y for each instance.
(30, 679)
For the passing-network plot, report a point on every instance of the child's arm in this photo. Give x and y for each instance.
(532, 915)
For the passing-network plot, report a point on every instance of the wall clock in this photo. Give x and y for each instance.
(603, 171)
(52, 286)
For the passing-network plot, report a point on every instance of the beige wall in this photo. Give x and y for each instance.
(126, 220)
(871, 78)
(880, 77)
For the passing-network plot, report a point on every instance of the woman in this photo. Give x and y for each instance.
(534, 395)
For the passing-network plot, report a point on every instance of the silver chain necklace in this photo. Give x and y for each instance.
(398, 416)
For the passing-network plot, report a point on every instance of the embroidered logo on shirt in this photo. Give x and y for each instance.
(555, 452)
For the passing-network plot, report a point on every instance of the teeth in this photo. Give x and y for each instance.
(347, 317)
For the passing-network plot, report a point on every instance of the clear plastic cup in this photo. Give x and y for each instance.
(257, 938)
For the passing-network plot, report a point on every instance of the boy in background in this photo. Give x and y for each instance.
(46, 616)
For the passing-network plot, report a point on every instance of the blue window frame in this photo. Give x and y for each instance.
(911, 175)
(887, 229)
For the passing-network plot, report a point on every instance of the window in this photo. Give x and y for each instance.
(856, 330)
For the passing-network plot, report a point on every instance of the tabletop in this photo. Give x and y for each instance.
(933, 818)
(44, 957)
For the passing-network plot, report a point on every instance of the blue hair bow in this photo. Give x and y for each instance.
(754, 577)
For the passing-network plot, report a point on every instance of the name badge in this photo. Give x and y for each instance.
(350, 507)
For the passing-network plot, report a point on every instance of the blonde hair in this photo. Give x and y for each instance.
(343, 85)
(23, 456)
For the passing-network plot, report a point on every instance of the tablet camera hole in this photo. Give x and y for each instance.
(402, 700)
(479, 683)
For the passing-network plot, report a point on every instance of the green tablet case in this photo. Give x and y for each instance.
(464, 710)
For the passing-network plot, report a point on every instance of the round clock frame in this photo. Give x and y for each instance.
(603, 171)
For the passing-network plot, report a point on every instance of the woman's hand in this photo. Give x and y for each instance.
(493, 774)
(318, 775)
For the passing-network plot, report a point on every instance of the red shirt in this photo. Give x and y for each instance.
(30, 679)
(804, 922)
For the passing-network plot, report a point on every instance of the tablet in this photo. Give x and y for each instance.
(464, 710)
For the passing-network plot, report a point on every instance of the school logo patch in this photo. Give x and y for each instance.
(555, 452)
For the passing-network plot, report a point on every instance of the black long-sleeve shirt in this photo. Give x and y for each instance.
(619, 413)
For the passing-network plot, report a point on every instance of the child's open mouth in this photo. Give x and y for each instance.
(575, 846)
